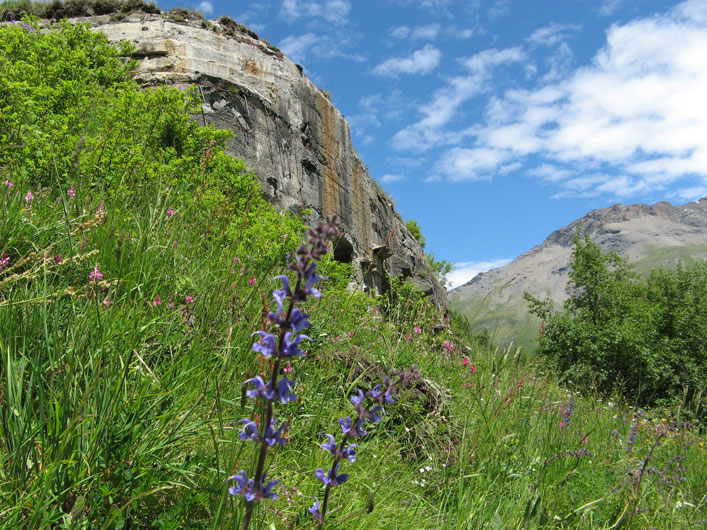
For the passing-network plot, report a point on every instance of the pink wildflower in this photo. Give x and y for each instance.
(107, 302)
(351, 334)
(175, 244)
(8, 183)
(96, 275)
(58, 259)
(417, 329)
(188, 299)
(465, 361)
(157, 301)
(71, 192)
(448, 346)
(251, 281)
(472, 370)
(29, 197)
(169, 212)
(101, 213)
(288, 368)
(83, 242)
(4, 260)
(408, 337)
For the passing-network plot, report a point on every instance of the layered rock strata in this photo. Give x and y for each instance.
(286, 130)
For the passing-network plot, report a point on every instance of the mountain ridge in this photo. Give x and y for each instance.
(647, 235)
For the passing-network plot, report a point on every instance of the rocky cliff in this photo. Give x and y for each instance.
(286, 130)
(648, 235)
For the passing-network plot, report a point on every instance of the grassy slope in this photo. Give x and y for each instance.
(118, 412)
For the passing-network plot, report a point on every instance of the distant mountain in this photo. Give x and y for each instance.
(649, 236)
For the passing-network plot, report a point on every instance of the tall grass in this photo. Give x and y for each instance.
(119, 411)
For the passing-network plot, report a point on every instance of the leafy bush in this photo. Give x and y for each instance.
(70, 114)
(646, 338)
(16, 9)
(416, 232)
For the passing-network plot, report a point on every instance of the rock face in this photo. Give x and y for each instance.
(286, 130)
(648, 235)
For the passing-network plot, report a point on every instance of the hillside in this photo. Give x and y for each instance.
(154, 372)
(648, 235)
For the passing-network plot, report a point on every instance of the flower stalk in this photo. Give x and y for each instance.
(281, 348)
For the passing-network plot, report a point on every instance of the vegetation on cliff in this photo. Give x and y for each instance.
(135, 258)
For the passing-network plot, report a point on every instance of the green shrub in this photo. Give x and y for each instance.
(645, 338)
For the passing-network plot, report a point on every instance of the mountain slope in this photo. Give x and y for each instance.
(648, 235)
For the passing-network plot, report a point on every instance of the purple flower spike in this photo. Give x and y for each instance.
(299, 320)
(272, 436)
(266, 493)
(349, 453)
(267, 344)
(250, 432)
(281, 294)
(357, 398)
(246, 487)
(311, 277)
(376, 395)
(243, 486)
(284, 390)
(261, 389)
(349, 430)
(374, 414)
(331, 478)
(290, 346)
(314, 509)
(330, 445)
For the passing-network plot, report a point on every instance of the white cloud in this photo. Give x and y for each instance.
(632, 122)
(207, 8)
(552, 35)
(388, 179)
(550, 173)
(500, 8)
(401, 32)
(691, 194)
(464, 271)
(430, 131)
(428, 32)
(608, 7)
(298, 47)
(422, 61)
(335, 11)
(459, 164)
(484, 61)
(464, 33)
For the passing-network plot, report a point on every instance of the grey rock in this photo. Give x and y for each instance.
(286, 130)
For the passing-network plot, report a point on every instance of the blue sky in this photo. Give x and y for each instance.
(494, 122)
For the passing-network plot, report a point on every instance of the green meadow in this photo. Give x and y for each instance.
(137, 258)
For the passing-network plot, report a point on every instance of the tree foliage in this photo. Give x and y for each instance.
(416, 232)
(70, 114)
(646, 338)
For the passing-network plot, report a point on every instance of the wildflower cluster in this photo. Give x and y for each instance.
(567, 413)
(281, 346)
(369, 409)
